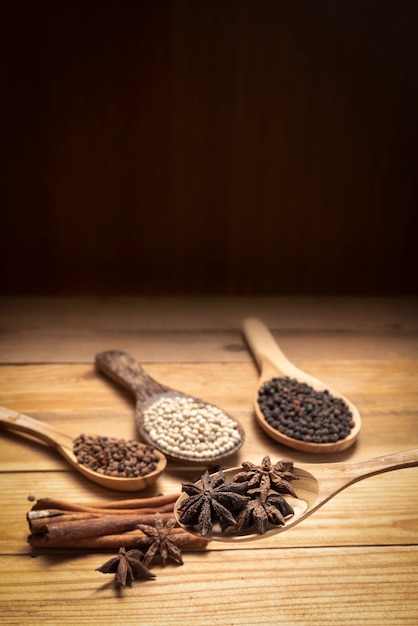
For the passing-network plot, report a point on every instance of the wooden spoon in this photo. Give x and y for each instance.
(317, 484)
(273, 363)
(122, 368)
(20, 423)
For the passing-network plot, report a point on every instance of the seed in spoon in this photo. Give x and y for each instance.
(215, 501)
(298, 411)
(122, 458)
(254, 498)
(190, 428)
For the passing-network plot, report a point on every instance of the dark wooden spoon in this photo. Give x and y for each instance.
(125, 370)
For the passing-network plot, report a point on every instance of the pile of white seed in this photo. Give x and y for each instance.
(188, 428)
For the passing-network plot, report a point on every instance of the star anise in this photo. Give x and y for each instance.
(126, 566)
(160, 542)
(214, 501)
(262, 510)
(267, 476)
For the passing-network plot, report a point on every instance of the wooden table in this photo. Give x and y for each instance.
(353, 562)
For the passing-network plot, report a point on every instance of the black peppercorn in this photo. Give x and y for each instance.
(300, 412)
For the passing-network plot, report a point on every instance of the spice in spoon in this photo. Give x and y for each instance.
(123, 458)
(189, 428)
(214, 501)
(298, 411)
(254, 499)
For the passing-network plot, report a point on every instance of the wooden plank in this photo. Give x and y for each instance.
(346, 520)
(74, 330)
(348, 563)
(75, 399)
(80, 386)
(319, 586)
(69, 345)
(209, 313)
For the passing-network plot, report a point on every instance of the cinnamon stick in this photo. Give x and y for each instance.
(164, 508)
(130, 539)
(154, 502)
(107, 525)
(37, 523)
(138, 503)
(95, 526)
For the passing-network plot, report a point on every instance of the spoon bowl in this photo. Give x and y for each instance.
(17, 422)
(273, 363)
(316, 484)
(149, 393)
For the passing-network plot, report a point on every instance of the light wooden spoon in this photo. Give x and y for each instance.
(125, 370)
(316, 484)
(17, 422)
(273, 363)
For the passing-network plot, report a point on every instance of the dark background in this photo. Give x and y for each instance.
(209, 147)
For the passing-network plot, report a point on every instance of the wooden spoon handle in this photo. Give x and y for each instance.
(11, 420)
(265, 349)
(363, 469)
(334, 477)
(122, 368)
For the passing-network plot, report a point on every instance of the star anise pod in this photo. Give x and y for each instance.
(267, 476)
(262, 510)
(126, 566)
(160, 542)
(214, 501)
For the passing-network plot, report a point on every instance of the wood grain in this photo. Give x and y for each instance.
(205, 313)
(348, 563)
(227, 147)
(347, 520)
(297, 586)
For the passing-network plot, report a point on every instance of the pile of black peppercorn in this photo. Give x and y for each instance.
(300, 412)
